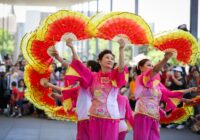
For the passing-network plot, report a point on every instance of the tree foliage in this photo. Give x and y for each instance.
(6, 42)
(156, 56)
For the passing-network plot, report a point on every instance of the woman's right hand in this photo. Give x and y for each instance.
(193, 89)
(169, 54)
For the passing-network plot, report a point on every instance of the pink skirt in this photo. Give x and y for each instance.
(103, 129)
(83, 130)
(146, 128)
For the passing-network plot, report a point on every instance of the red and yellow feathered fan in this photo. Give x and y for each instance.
(41, 97)
(35, 52)
(58, 26)
(59, 113)
(182, 42)
(115, 25)
(64, 24)
(178, 115)
(36, 93)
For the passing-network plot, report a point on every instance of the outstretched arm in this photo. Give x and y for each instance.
(70, 45)
(63, 62)
(157, 68)
(121, 55)
(55, 95)
(54, 87)
(192, 89)
(188, 101)
(54, 53)
(44, 82)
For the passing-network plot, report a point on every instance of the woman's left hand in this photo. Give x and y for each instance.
(121, 43)
(193, 89)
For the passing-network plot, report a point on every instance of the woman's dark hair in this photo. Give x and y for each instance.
(104, 52)
(95, 67)
(141, 64)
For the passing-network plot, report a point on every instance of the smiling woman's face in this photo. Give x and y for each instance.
(147, 65)
(107, 61)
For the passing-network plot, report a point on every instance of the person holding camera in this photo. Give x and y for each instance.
(175, 79)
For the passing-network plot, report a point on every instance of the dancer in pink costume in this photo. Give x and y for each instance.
(148, 93)
(126, 114)
(82, 105)
(104, 87)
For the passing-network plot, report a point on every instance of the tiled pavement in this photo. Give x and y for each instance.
(30, 128)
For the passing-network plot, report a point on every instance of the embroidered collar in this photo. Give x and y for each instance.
(107, 74)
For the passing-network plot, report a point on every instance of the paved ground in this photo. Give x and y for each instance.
(29, 128)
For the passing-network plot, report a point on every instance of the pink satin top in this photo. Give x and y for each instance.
(148, 94)
(104, 89)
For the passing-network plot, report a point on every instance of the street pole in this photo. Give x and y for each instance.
(111, 8)
(194, 17)
(97, 41)
(134, 49)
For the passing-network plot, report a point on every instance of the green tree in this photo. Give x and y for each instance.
(102, 44)
(156, 56)
(6, 42)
